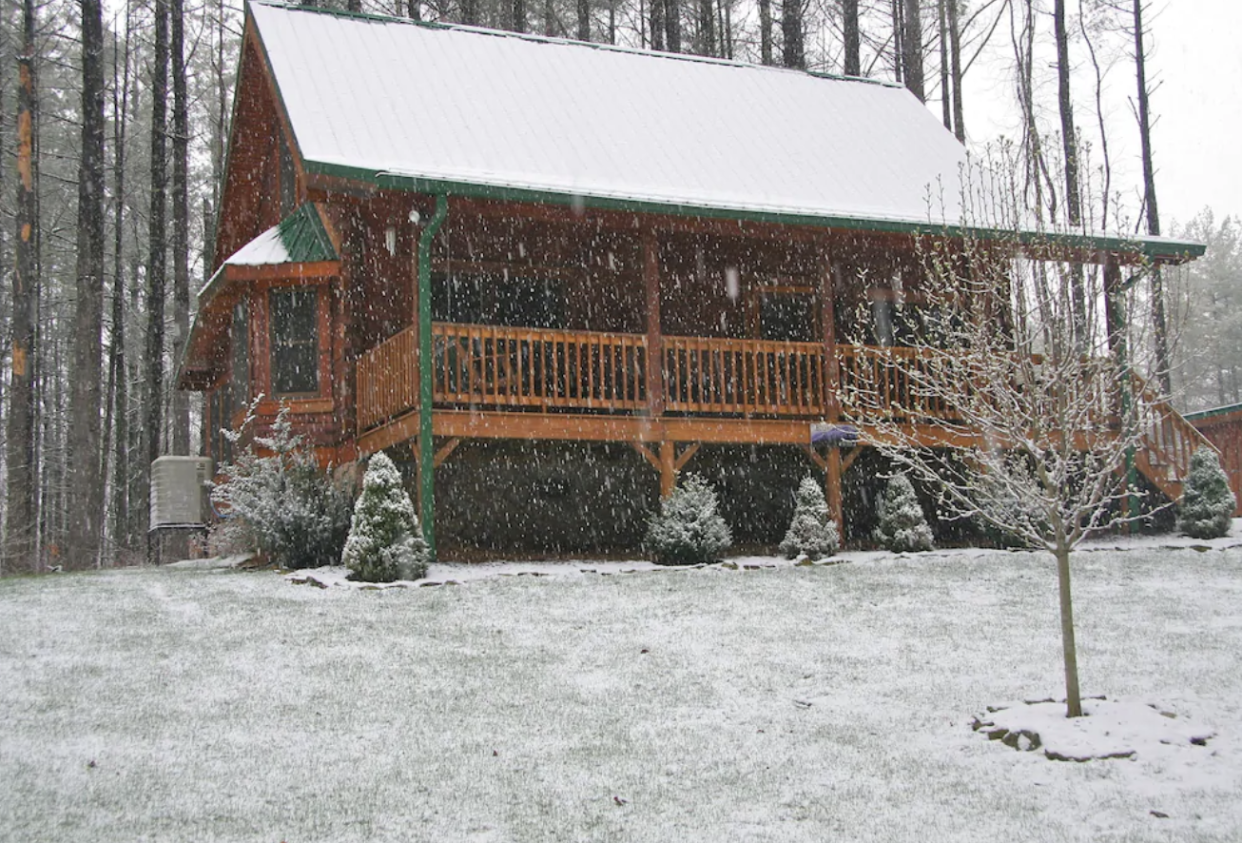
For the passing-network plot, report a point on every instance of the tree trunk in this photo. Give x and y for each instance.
(118, 371)
(672, 25)
(584, 20)
(519, 15)
(21, 520)
(85, 480)
(765, 31)
(853, 38)
(912, 49)
(707, 28)
(156, 267)
(946, 106)
(1160, 330)
(180, 422)
(955, 56)
(657, 24)
(1069, 147)
(793, 53)
(1069, 649)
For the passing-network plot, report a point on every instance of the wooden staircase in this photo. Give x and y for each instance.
(1168, 442)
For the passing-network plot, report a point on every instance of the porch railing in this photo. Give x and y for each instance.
(524, 367)
(731, 376)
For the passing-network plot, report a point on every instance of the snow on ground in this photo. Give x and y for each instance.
(787, 704)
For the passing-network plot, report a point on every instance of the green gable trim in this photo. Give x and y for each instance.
(305, 237)
(1167, 250)
(1213, 413)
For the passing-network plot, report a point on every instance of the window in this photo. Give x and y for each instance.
(295, 341)
(787, 316)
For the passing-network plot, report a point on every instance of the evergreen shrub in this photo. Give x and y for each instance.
(811, 532)
(385, 543)
(277, 500)
(903, 527)
(688, 529)
(1206, 508)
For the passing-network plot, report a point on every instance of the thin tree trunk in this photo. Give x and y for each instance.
(85, 488)
(657, 24)
(584, 20)
(793, 53)
(180, 422)
(118, 374)
(1069, 648)
(21, 523)
(707, 28)
(955, 53)
(1160, 330)
(912, 49)
(765, 31)
(946, 106)
(672, 25)
(156, 266)
(853, 38)
(1069, 146)
(519, 15)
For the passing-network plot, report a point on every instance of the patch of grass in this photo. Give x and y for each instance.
(787, 704)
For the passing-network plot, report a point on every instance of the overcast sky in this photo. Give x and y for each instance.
(1196, 60)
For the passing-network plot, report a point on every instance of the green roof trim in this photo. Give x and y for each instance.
(1151, 248)
(305, 237)
(1212, 413)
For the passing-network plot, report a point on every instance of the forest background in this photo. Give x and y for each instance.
(113, 122)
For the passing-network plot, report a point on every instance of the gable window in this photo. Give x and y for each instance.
(295, 341)
(239, 365)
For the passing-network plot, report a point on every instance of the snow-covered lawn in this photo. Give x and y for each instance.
(820, 703)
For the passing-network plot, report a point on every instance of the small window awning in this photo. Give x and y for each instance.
(299, 247)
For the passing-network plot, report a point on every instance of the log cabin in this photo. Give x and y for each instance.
(549, 275)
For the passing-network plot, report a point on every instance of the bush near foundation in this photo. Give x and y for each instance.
(688, 529)
(811, 532)
(1206, 508)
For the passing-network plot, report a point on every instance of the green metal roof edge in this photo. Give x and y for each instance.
(305, 236)
(1212, 413)
(1163, 248)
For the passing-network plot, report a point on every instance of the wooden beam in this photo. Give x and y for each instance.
(832, 490)
(819, 461)
(443, 453)
(827, 306)
(849, 458)
(646, 454)
(684, 457)
(467, 424)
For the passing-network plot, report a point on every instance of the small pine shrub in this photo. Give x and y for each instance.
(903, 527)
(811, 531)
(277, 500)
(688, 529)
(1207, 504)
(385, 543)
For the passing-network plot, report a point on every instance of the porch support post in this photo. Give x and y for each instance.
(668, 468)
(655, 339)
(832, 382)
(426, 453)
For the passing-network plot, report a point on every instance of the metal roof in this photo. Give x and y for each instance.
(451, 109)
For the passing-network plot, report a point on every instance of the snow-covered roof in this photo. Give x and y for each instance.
(386, 96)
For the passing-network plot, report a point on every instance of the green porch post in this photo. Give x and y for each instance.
(426, 451)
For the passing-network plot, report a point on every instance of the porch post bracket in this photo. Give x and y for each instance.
(685, 455)
(443, 452)
(645, 453)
